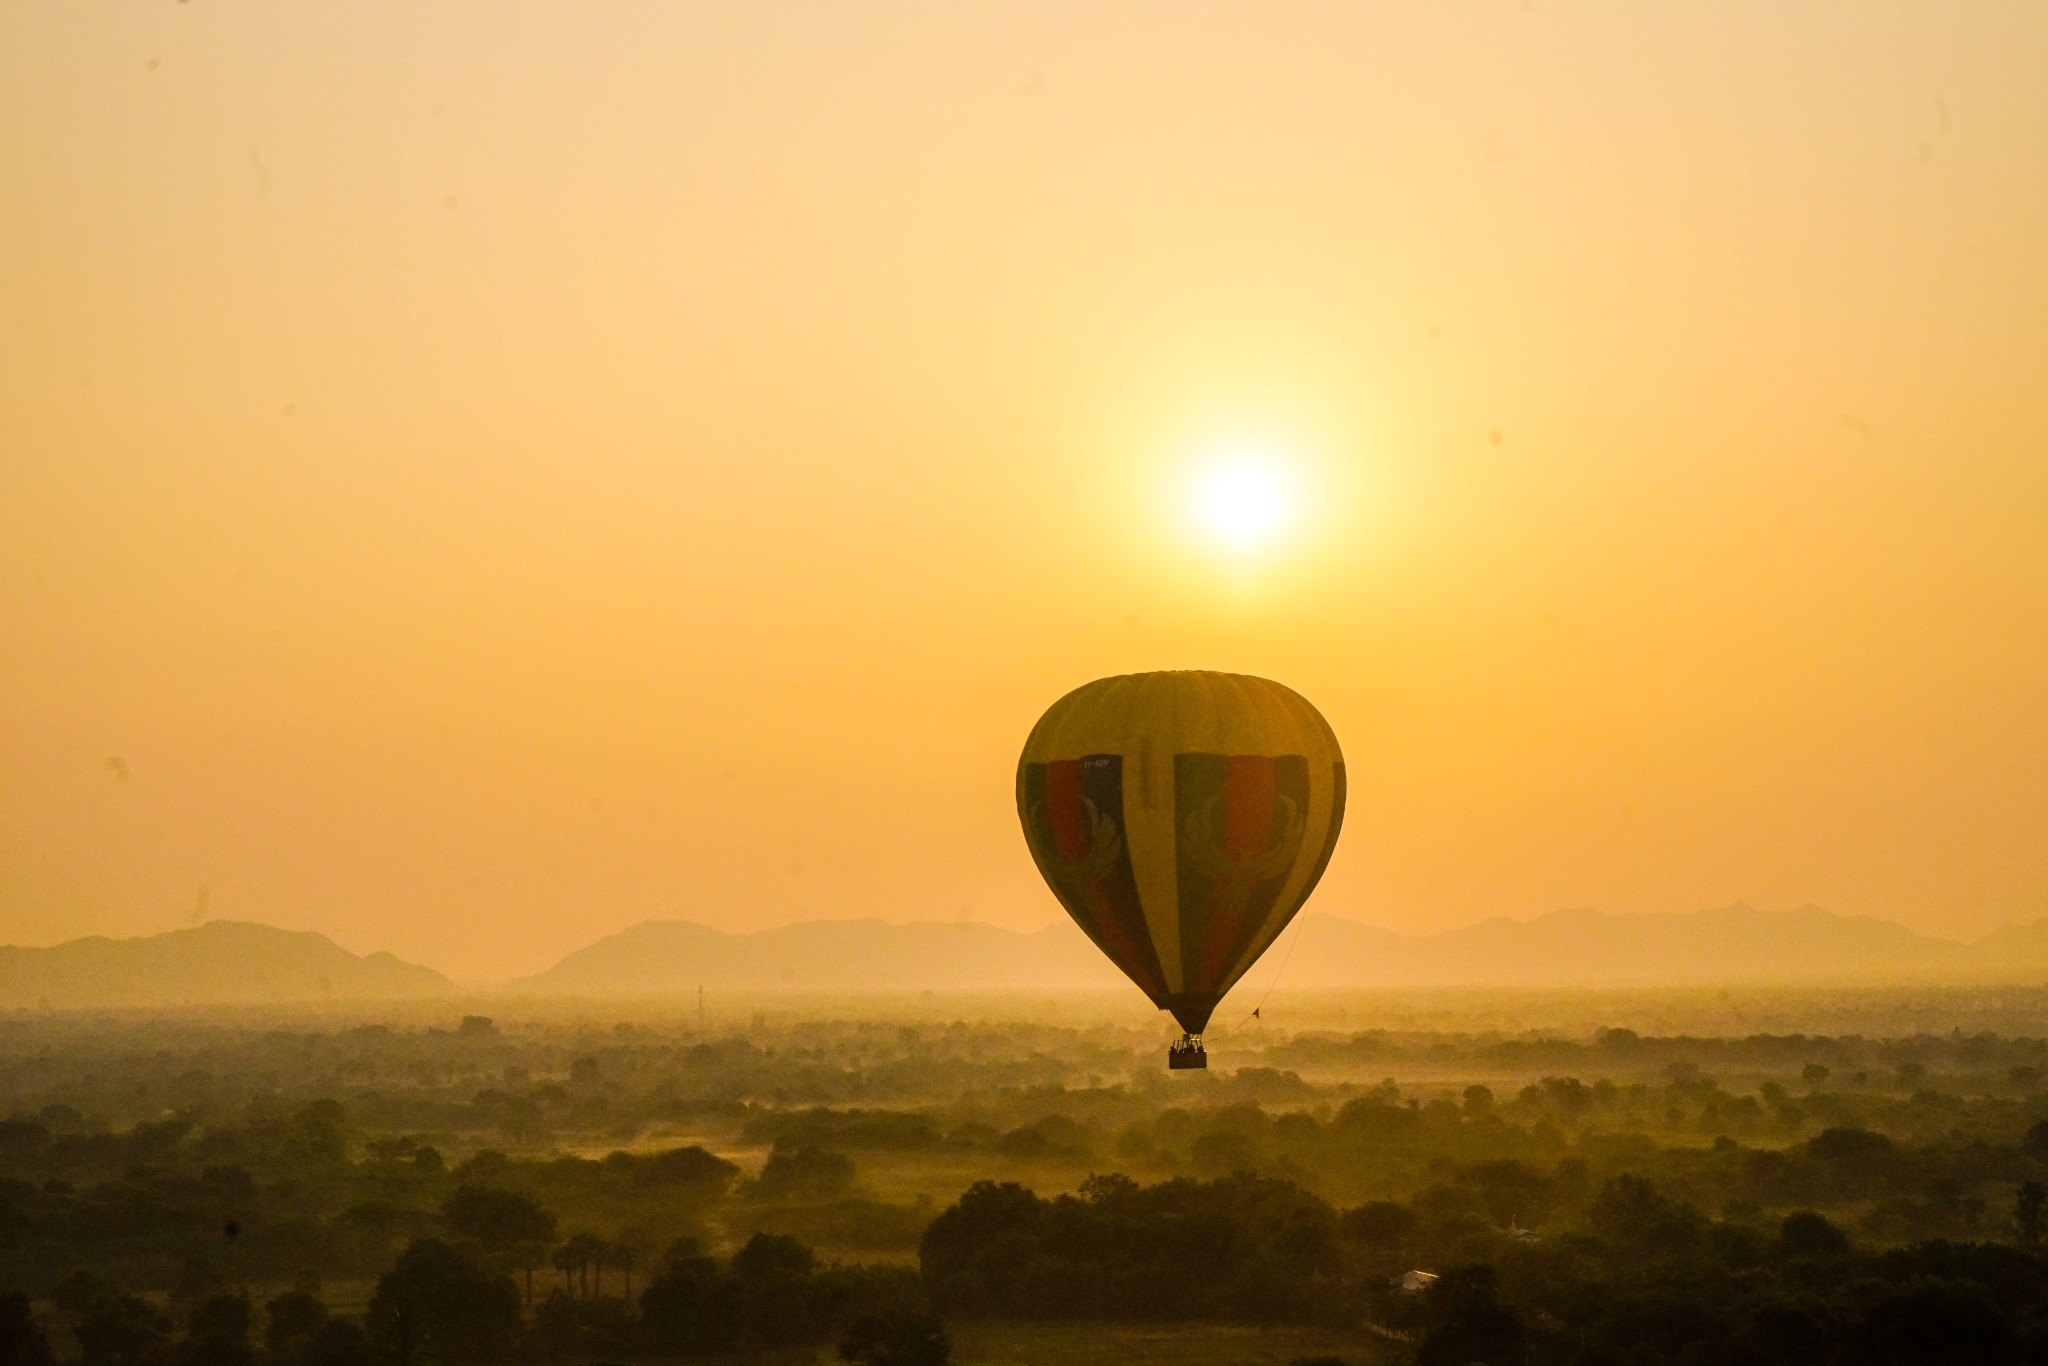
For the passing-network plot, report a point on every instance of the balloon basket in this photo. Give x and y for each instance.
(1187, 1052)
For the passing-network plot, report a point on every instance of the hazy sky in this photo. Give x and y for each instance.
(492, 473)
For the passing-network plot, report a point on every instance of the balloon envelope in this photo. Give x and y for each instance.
(1182, 819)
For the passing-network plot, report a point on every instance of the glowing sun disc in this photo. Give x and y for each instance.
(1243, 504)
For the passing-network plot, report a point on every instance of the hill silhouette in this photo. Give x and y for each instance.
(221, 962)
(1564, 948)
(829, 955)
(235, 962)
(1579, 947)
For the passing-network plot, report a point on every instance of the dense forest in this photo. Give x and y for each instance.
(219, 1188)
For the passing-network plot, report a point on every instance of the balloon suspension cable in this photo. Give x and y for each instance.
(1292, 945)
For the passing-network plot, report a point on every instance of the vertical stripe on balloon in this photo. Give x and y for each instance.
(1242, 818)
(1063, 807)
(1076, 831)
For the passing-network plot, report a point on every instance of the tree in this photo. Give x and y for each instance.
(223, 1317)
(485, 1164)
(1512, 1192)
(1789, 1331)
(1806, 1233)
(437, 1305)
(1814, 1074)
(1937, 1322)
(2035, 1144)
(805, 1174)
(897, 1337)
(593, 1329)
(768, 1255)
(1642, 1222)
(339, 1343)
(22, 1341)
(295, 1318)
(565, 1261)
(217, 1333)
(686, 1307)
(692, 1167)
(1240, 1247)
(512, 1224)
(317, 1135)
(626, 1256)
(2030, 1212)
(1848, 1145)
(1468, 1324)
(971, 1252)
(1383, 1226)
(575, 1259)
(121, 1330)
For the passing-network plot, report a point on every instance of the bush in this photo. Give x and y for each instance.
(804, 1174)
(689, 1167)
(897, 1338)
(1807, 1234)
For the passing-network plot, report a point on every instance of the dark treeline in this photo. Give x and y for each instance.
(201, 1191)
(1626, 1274)
(451, 1303)
(1630, 1275)
(1242, 1247)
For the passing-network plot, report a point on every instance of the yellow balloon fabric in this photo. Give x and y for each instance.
(1182, 819)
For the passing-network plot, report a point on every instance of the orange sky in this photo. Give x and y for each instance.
(498, 472)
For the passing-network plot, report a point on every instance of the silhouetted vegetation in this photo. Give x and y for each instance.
(1239, 1247)
(202, 1193)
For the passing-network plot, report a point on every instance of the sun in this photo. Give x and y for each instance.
(1243, 501)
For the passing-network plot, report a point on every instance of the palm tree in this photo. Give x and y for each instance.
(624, 1255)
(581, 1252)
(564, 1261)
(532, 1252)
(509, 1227)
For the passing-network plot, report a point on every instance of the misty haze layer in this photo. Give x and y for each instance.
(233, 962)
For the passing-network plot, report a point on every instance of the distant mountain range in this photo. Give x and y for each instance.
(1565, 948)
(828, 955)
(221, 962)
(1729, 945)
(236, 962)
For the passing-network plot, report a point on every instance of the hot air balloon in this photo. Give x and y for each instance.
(1182, 818)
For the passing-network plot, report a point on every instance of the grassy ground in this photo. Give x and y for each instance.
(1168, 1344)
